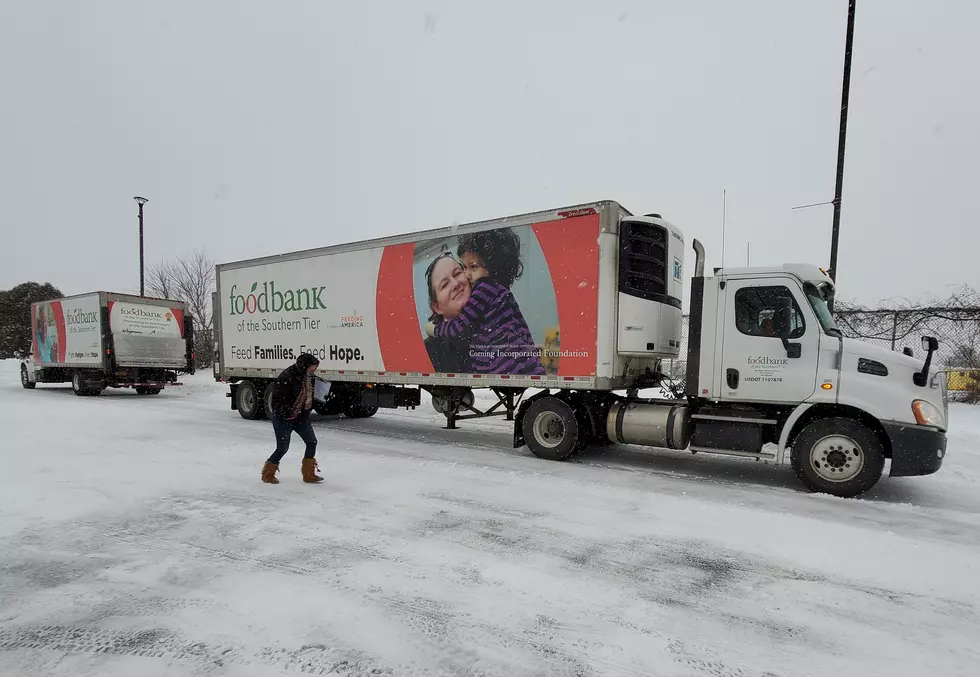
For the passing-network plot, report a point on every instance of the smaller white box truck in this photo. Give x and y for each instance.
(104, 340)
(579, 306)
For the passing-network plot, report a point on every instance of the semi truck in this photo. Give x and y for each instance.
(568, 316)
(105, 340)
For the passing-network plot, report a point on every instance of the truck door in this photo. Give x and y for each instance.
(757, 364)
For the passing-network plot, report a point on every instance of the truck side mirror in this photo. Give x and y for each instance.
(783, 325)
(930, 344)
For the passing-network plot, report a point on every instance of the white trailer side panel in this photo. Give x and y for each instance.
(363, 308)
(67, 332)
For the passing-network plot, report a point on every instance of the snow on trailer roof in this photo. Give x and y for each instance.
(405, 238)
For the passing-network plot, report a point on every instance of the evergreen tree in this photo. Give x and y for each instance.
(15, 316)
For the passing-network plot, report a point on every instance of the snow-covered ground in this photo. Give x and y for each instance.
(137, 539)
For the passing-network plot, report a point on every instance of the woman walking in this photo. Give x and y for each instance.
(292, 401)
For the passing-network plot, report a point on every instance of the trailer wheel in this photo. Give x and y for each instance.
(838, 456)
(550, 429)
(334, 406)
(249, 401)
(267, 398)
(359, 411)
(25, 379)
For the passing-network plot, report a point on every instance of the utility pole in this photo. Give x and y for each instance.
(845, 95)
(841, 141)
(141, 201)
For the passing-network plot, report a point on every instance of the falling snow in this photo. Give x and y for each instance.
(136, 539)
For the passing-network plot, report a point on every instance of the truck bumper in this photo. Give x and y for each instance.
(916, 449)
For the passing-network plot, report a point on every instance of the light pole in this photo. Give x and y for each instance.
(845, 95)
(841, 139)
(142, 201)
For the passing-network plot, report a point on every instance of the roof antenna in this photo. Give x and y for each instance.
(724, 218)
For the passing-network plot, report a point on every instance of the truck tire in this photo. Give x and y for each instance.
(332, 407)
(267, 399)
(838, 456)
(25, 379)
(83, 388)
(250, 405)
(142, 390)
(550, 429)
(359, 411)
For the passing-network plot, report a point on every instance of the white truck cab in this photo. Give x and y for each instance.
(767, 364)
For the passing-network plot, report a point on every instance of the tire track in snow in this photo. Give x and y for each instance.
(159, 643)
(437, 629)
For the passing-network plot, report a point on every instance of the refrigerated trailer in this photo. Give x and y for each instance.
(105, 340)
(567, 315)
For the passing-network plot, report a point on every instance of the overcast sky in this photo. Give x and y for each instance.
(257, 128)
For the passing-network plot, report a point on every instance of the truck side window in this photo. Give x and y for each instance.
(755, 308)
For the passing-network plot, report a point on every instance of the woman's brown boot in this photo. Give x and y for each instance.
(269, 471)
(309, 470)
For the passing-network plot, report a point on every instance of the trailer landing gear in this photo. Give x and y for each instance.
(451, 401)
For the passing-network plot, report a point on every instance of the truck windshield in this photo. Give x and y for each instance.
(819, 296)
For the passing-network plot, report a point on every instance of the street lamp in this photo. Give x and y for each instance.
(842, 134)
(142, 201)
(841, 142)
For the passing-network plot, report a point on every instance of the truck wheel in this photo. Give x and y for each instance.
(838, 456)
(358, 411)
(331, 407)
(249, 402)
(550, 429)
(81, 387)
(267, 399)
(25, 379)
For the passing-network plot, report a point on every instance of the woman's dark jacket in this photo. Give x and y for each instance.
(287, 386)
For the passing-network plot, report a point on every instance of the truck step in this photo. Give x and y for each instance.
(732, 452)
(735, 419)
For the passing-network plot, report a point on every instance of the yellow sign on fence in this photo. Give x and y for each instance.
(962, 379)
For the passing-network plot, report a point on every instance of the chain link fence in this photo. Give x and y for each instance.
(955, 321)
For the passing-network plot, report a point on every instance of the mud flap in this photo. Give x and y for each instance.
(589, 415)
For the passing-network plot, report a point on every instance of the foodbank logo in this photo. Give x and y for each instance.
(267, 298)
(766, 361)
(76, 316)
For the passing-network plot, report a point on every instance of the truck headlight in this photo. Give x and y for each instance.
(927, 414)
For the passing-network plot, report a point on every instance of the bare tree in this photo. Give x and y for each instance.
(189, 279)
